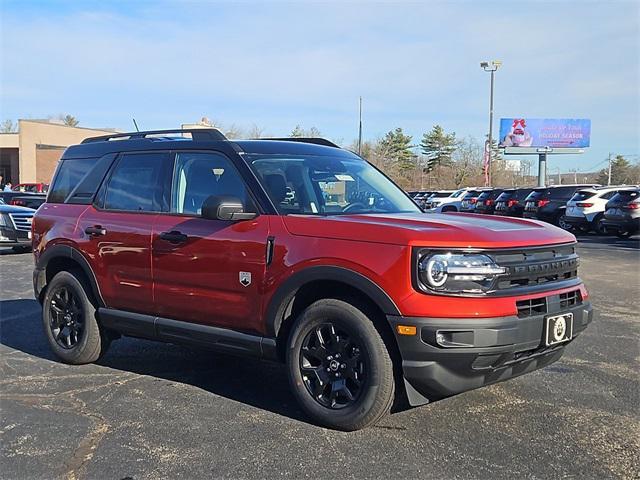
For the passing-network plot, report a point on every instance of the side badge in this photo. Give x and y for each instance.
(245, 279)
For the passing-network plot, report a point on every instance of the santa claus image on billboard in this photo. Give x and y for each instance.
(517, 135)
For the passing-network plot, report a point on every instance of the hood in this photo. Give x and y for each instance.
(15, 209)
(459, 230)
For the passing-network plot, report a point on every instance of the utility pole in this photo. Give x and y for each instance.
(609, 180)
(360, 130)
(559, 177)
(490, 67)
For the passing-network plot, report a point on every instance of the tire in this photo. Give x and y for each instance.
(598, 226)
(69, 320)
(560, 221)
(21, 249)
(449, 209)
(623, 234)
(344, 328)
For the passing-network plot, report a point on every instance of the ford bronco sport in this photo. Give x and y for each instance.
(298, 252)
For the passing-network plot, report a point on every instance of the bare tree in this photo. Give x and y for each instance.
(7, 126)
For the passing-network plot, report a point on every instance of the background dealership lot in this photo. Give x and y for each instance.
(150, 410)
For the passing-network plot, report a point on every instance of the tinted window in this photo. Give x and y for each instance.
(522, 194)
(608, 195)
(506, 195)
(626, 196)
(471, 194)
(69, 174)
(441, 194)
(582, 195)
(135, 184)
(535, 195)
(561, 192)
(87, 186)
(199, 175)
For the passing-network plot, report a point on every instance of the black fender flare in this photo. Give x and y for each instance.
(285, 292)
(68, 252)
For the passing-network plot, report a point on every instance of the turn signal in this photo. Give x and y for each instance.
(406, 329)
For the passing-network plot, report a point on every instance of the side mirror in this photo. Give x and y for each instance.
(225, 208)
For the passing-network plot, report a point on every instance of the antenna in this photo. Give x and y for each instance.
(135, 124)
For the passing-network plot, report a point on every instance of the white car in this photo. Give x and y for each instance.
(446, 201)
(585, 210)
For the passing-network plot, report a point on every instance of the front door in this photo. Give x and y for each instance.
(117, 230)
(208, 271)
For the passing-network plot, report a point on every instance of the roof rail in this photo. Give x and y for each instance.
(211, 134)
(314, 140)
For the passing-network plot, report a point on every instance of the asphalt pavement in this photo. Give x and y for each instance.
(148, 410)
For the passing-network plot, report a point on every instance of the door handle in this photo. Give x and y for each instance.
(95, 231)
(174, 236)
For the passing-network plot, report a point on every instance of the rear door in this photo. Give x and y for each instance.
(208, 271)
(118, 226)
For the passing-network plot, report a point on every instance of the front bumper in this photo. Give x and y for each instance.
(492, 350)
(9, 236)
(577, 221)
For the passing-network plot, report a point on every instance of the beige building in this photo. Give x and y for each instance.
(31, 154)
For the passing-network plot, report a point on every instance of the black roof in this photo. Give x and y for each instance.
(202, 139)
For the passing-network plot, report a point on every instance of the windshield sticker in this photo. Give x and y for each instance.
(344, 178)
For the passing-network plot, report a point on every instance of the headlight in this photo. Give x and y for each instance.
(3, 220)
(458, 272)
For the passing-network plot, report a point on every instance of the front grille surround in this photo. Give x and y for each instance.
(21, 221)
(529, 269)
(549, 304)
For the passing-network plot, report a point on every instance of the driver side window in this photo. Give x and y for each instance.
(198, 175)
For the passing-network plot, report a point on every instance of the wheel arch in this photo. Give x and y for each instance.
(314, 283)
(59, 258)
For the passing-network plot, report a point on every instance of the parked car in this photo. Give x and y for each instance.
(193, 241)
(31, 187)
(511, 202)
(585, 210)
(486, 201)
(468, 204)
(21, 199)
(622, 213)
(436, 197)
(421, 198)
(549, 204)
(15, 227)
(450, 203)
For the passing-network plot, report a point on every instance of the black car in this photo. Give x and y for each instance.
(486, 201)
(511, 202)
(549, 204)
(468, 204)
(15, 226)
(622, 213)
(23, 199)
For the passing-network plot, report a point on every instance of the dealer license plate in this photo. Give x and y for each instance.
(559, 328)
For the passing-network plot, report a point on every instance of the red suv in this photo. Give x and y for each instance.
(298, 252)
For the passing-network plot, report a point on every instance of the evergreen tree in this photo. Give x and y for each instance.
(438, 146)
(620, 172)
(70, 121)
(396, 147)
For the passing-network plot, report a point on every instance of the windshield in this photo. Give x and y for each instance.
(319, 185)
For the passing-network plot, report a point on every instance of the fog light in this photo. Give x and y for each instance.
(440, 339)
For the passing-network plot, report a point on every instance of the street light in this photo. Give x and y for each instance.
(490, 67)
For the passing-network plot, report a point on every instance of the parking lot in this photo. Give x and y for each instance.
(150, 410)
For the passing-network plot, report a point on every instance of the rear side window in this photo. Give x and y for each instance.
(582, 195)
(70, 172)
(504, 196)
(535, 195)
(136, 184)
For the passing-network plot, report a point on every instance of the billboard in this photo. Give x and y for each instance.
(545, 132)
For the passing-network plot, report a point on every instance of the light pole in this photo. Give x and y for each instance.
(490, 67)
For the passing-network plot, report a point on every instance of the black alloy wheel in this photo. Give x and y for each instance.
(331, 366)
(66, 318)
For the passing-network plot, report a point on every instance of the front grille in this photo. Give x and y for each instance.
(534, 267)
(21, 221)
(533, 306)
(549, 304)
(570, 299)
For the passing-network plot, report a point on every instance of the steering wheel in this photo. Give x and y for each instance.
(354, 206)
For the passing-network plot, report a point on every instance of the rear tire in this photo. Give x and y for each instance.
(69, 320)
(598, 226)
(562, 223)
(339, 368)
(624, 234)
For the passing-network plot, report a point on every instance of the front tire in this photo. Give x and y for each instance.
(69, 320)
(339, 368)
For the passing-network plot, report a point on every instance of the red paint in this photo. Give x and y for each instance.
(198, 280)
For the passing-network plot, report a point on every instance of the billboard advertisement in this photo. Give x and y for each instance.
(545, 132)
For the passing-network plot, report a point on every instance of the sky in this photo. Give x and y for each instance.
(279, 64)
